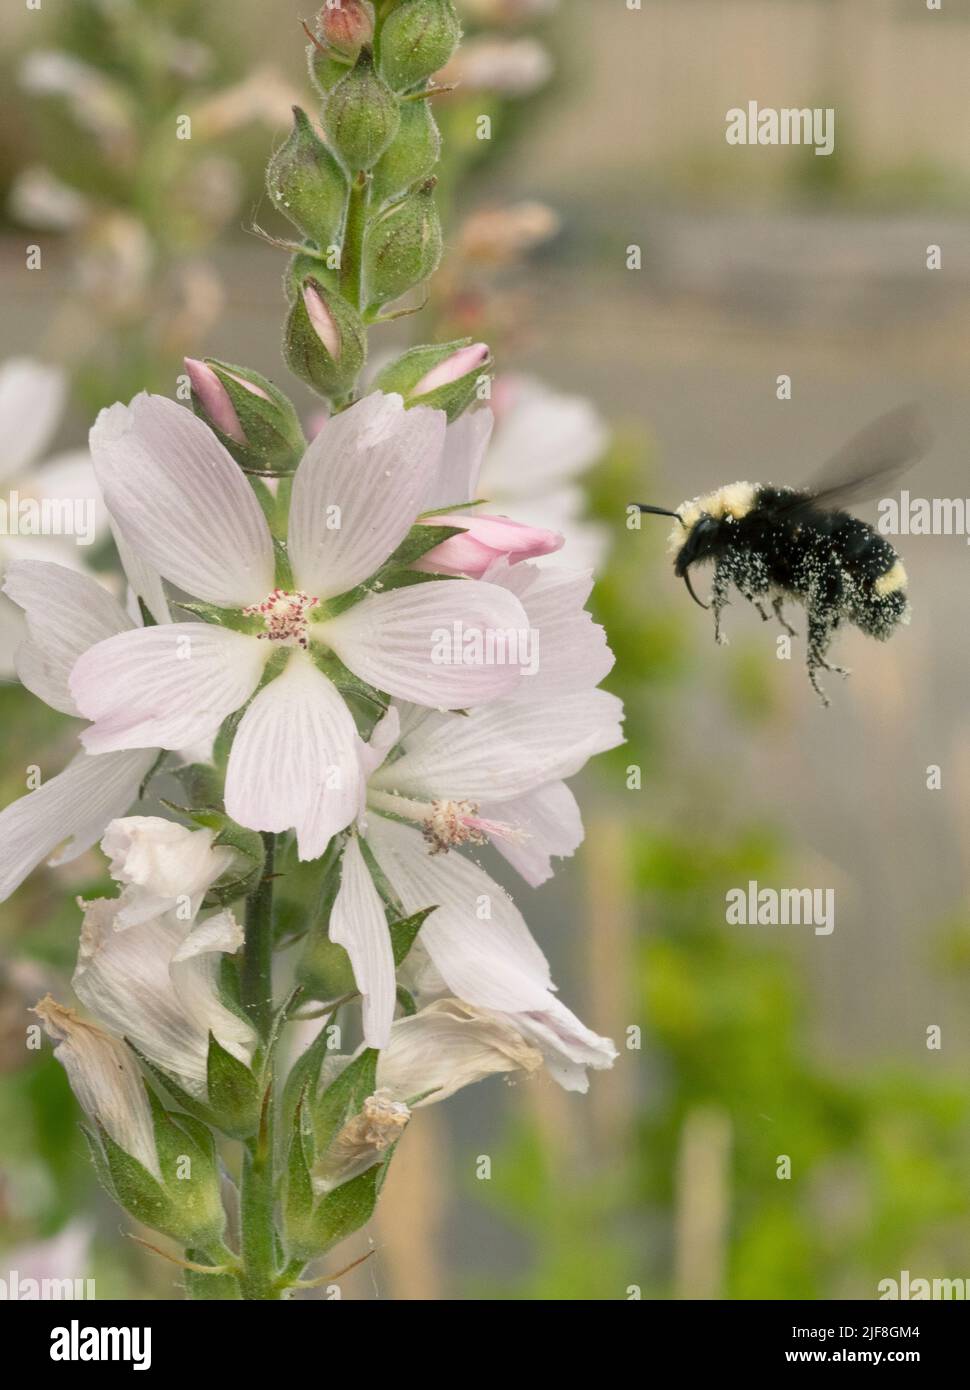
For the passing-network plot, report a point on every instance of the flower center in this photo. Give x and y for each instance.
(445, 824)
(284, 612)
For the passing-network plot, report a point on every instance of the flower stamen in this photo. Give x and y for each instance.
(284, 612)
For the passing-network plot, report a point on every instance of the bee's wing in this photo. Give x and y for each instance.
(872, 461)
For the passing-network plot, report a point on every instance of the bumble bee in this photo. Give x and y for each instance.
(781, 543)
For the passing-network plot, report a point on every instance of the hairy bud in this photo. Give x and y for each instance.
(411, 155)
(403, 246)
(307, 184)
(360, 115)
(444, 376)
(418, 38)
(255, 421)
(346, 25)
(324, 343)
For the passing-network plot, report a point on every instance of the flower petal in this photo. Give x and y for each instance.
(449, 1045)
(67, 613)
(551, 824)
(359, 924)
(465, 444)
(430, 643)
(567, 1045)
(476, 937)
(31, 400)
(75, 806)
(503, 750)
(296, 760)
(164, 687)
(181, 501)
(573, 650)
(560, 435)
(368, 472)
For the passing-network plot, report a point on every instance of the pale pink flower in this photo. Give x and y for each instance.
(484, 540)
(187, 510)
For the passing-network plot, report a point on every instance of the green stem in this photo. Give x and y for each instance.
(352, 251)
(257, 968)
(259, 1279)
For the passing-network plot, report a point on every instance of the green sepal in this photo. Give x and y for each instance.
(406, 1000)
(232, 618)
(343, 1098)
(360, 115)
(200, 1288)
(298, 1195)
(198, 1214)
(411, 155)
(454, 398)
(235, 1096)
(307, 184)
(347, 1207)
(306, 354)
(404, 933)
(418, 38)
(274, 436)
(134, 1188)
(402, 246)
(418, 541)
(308, 264)
(326, 69)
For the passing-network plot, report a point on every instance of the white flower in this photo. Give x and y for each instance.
(157, 984)
(561, 437)
(105, 1078)
(66, 612)
(448, 1045)
(187, 509)
(496, 774)
(163, 867)
(32, 397)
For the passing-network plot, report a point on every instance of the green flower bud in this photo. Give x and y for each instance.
(418, 38)
(360, 115)
(325, 344)
(252, 417)
(411, 155)
(402, 246)
(325, 69)
(444, 376)
(303, 265)
(307, 184)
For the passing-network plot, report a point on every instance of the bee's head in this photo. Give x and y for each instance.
(697, 541)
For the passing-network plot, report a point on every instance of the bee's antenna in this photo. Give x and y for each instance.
(691, 591)
(660, 511)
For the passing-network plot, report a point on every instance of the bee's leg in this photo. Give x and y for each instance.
(822, 622)
(719, 598)
(776, 605)
(765, 617)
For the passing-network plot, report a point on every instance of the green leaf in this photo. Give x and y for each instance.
(344, 1098)
(234, 1092)
(298, 1195)
(406, 1001)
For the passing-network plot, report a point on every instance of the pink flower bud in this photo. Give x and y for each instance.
(214, 399)
(485, 540)
(453, 368)
(322, 321)
(346, 25)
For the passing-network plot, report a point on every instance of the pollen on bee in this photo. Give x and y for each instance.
(892, 581)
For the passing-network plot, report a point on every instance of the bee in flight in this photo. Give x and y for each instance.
(781, 543)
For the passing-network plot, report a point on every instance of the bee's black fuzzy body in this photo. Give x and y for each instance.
(773, 543)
